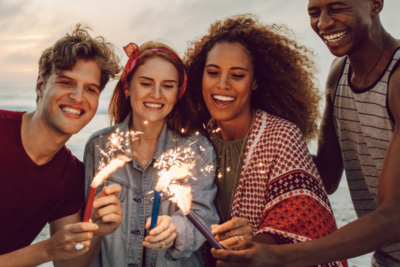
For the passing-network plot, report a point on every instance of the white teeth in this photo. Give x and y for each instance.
(72, 110)
(332, 38)
(152, 105)
(223, 98)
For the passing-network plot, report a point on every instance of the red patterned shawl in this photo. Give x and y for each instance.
(280, 191)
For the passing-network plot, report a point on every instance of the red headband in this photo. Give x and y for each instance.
(132, 51)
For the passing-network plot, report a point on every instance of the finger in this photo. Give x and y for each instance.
(81, 227)
(229, 225)
(106, 200)
(163, 222)
(112, 189)
(161, 244)
(234, 240)
(110, 209)
(112, 219)
(229, 255)
(214, 226)
(225, 246)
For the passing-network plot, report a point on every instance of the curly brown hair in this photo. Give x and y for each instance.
(283, 69)
(80, 45)
(183, 117)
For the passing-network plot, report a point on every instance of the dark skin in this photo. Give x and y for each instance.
(379, 228)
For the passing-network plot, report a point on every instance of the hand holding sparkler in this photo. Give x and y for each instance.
(107, 212)
(162, 236)
(233, 231)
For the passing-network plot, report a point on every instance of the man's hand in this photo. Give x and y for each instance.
(107, 212)
(233, 231)
(247, 253)
(62, 244)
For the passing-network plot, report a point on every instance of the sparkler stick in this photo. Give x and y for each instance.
(100, 178)
(183, 197)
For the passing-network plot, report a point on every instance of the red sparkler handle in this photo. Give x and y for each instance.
(89, 204)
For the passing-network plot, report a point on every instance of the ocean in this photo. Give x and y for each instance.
(22, 98)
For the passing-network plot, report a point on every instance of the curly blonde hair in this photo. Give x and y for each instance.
(283, 69)
(80, 45)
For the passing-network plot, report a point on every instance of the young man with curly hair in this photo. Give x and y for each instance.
(42, 181)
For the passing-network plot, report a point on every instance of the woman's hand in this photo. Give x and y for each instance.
(162, 236)
(233, 232)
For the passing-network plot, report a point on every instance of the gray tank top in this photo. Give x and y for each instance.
(364, 126)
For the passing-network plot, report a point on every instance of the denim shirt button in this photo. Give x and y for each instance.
(152, 264)
(136, 232)
(138, 200)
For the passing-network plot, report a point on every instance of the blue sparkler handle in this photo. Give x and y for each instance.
(156, 206)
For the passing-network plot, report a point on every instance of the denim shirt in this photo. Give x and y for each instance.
(124, 247)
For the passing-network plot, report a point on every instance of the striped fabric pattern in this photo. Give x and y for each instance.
(364, 129)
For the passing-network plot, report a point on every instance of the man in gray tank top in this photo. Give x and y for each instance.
(359, 134)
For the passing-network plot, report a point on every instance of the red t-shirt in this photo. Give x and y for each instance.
(32, 195)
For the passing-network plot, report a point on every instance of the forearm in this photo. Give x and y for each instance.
(32, 255)
(369, 233)
(84, 259)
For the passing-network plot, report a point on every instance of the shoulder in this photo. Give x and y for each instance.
(102, 134)
(280, 127)
(335, 72)
(10, 115)
(394, 92)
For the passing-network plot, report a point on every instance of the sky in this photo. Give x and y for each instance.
(27, 27)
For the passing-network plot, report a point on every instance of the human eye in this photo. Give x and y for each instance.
(145, 84)
(169, 85)
(92, 89)
(65, 82)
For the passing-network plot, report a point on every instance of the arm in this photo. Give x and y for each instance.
(61, 245)
(329, 156)
(369, 233)
(106, 214)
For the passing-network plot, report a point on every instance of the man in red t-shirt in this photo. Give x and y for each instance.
(42, 182)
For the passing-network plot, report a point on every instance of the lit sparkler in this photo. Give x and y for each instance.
(175, 167)
(113, 162)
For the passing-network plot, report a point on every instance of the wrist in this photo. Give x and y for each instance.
(46, 251)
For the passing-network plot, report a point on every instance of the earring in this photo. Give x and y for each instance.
(127, 97)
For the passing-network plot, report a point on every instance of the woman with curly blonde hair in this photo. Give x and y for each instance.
(257, 95)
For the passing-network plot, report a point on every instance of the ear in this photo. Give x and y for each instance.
(377, 6)
(255, 86)
(40, 86)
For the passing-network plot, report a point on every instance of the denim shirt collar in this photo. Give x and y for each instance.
(162, 142)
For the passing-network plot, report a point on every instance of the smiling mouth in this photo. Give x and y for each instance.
(333, 38)
(153, 105)
(72, 111)
(223, 100)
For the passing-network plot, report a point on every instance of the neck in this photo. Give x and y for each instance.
(39, 140)
(151, 130)
(236, 128)
(369, 59)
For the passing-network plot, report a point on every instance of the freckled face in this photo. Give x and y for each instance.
(228, 80)
(153, 90)
(342, 25)
(69, 100)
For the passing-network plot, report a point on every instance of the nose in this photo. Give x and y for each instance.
(325, 21)
(223, 82)
(77, 94)
(156, 91)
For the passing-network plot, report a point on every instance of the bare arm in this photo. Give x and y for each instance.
(106, 214)
(60, 246)
(329, 157)
(369, 233)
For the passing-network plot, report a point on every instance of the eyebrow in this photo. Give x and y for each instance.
(340, 3)
(233, 68)
(147, 78)
(69, 78)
